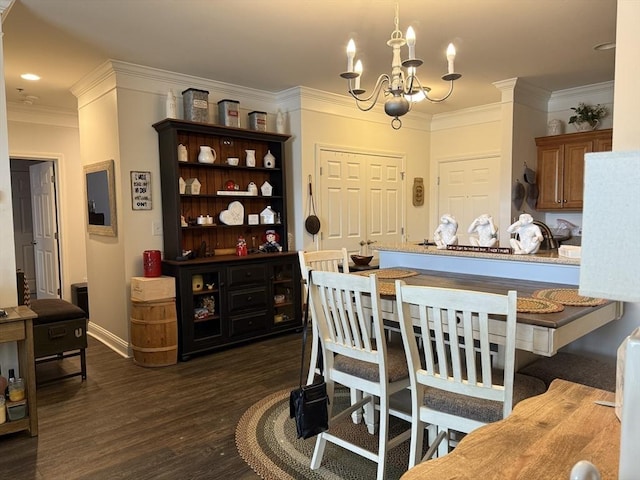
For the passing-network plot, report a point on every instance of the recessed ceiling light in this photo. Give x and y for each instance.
(605, 46)
(30, 76)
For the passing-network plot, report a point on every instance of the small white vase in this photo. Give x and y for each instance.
(171, 109)
(182, 153)
(250, 160)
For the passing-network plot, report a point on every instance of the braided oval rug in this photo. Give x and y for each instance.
(266, 441)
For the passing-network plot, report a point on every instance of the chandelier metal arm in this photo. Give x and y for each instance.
(425, 90)
(373, 98)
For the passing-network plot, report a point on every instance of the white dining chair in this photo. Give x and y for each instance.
(326, 261)
(341, 307)
(454, 386)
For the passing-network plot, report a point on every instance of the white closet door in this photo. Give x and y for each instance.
(468, 188)
(360, 199)
(45, 233)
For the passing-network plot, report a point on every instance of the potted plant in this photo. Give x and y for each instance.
(587, 117)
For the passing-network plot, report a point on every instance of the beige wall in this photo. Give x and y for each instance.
(105, 255)
(369, 134)
(60, 143)
(8, 293)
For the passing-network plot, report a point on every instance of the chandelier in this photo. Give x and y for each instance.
(401, 88)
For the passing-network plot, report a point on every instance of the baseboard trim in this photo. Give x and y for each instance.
(112, 341)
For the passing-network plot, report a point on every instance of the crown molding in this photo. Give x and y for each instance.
(123, 75)
(467, 116)
(344, 106)
(5, 8)
(596, 93)
(517, 90)
(18, 112)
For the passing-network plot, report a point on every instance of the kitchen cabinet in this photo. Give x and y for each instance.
(223, 298)
(561, 167)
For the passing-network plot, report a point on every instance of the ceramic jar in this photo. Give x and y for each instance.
(252, 188)
(555, 127)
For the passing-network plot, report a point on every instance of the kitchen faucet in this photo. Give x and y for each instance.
(549, 242)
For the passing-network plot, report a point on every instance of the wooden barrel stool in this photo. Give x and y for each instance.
(154, 332)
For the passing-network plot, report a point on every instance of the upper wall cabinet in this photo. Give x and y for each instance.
(561, 167)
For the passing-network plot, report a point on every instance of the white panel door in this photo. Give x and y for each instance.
(467, 189)
(360, 199)
(45, 235)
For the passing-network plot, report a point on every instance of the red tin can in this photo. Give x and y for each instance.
(152, 263)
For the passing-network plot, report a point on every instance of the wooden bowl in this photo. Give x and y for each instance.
(361, 260)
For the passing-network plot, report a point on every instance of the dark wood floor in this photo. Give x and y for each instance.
(127, 421)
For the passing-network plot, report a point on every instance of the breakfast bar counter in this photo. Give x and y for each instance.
(545, 266)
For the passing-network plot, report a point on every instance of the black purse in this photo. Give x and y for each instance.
(309, 404)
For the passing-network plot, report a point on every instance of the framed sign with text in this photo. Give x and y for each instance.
(141, 190)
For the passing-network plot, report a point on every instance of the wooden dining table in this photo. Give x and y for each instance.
(542, 438)
(539, 333)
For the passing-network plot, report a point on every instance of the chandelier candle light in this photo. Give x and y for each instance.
(403, 89)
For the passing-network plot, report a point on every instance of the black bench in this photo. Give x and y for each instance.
(59, 332)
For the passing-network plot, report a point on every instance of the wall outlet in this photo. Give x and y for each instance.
(156, 229)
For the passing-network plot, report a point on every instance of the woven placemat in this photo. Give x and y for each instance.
(568, 296)
(538, 305)
(389, 273)
(387, 288)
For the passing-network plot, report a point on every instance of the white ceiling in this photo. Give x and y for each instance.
(273, 45)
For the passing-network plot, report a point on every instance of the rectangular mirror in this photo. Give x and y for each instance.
(101, 198)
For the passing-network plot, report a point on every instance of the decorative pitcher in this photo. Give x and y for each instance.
(206, 155)
(250, 161)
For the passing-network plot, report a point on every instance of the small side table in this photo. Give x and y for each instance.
(17, 327)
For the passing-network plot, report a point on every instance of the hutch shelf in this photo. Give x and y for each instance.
(222, 298)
